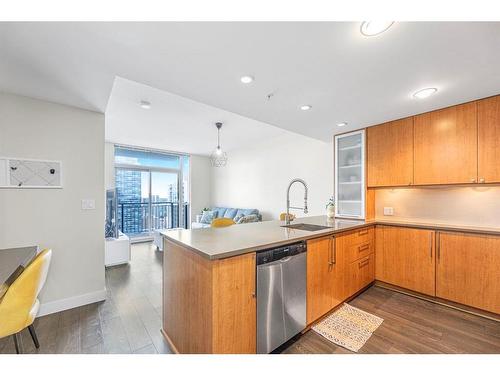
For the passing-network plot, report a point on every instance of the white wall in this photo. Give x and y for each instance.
(52, 218)
(257, 176)
(200, 175)
(457, 205)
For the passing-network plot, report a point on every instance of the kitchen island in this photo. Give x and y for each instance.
(209, 275)
(209, 280)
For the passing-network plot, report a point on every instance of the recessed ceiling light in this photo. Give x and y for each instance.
(425, 93)
(372, 28)
(145, 104)
(342, 124)
(246, 79)
(306, 107)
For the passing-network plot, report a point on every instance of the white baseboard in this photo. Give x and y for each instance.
(71, 302)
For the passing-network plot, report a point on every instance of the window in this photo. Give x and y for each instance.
(152, 190)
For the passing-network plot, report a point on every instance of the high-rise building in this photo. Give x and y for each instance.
(131, 216)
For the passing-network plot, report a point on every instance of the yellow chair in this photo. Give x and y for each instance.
(222, 222)
(20, 305)
(283, 216)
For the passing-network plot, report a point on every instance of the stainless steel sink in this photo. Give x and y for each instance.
(308, 227)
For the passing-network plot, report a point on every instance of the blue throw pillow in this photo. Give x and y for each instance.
(207, 217)
(219, 211)
(230, 213)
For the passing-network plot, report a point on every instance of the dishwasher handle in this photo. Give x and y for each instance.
(276, 262)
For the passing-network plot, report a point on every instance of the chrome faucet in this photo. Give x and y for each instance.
(287, 217)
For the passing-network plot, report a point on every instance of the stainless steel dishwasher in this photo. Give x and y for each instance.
(281, 295)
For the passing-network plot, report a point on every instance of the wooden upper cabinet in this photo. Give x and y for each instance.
(390, 153)
(445, 146)
(488, 122)
(468, 270)
(405, 257)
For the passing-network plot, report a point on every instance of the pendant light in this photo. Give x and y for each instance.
(219, 157)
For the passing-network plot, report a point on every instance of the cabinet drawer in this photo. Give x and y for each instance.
(357, 237)
(358, 251)
(360, 274)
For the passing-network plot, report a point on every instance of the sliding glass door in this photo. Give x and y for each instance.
(133, 201)
(151, 191)
(164, 200)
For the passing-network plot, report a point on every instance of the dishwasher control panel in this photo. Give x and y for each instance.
(271, 255)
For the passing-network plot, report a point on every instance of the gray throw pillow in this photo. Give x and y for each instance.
(207, 217)
(238, 217)
(248, 219)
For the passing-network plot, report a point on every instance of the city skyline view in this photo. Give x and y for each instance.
(142, 208)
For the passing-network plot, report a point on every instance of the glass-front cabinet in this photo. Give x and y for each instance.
(350, 175)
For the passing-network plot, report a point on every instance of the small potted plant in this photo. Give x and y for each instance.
(330, 208)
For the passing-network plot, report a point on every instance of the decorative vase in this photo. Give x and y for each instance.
(330, 211)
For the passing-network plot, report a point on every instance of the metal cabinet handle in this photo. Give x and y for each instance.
(430, 243)
(363, 263)
(364, 247)
(473, 180)
(334, 252)
(330, 254)
(481, 180)
(362, 232)
(438, 245)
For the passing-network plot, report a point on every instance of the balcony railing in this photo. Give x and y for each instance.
(141, 218)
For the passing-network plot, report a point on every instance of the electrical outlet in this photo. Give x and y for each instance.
(388, 211)
(88, 204)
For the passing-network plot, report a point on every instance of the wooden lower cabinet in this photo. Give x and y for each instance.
(468, 270)
(360, 274)
(234, 305)
(358, 247)
(405, 257)
(209, 306)
(325, 277)
(337, 268)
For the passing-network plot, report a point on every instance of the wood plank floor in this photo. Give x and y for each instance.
(129, 321)
(410, 326)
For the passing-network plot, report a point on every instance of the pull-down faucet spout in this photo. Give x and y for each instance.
(287, 217)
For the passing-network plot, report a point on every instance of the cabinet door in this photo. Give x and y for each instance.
(390, 153)
(488, 127)
(446, 146)
(468, 270)
(350, 175)
(405, 257)
(360, 273)
(324, 277)
(234, 305)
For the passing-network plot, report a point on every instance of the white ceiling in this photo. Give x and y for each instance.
(175, 123)
(330, 65)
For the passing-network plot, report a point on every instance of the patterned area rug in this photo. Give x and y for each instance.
(348, 327)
